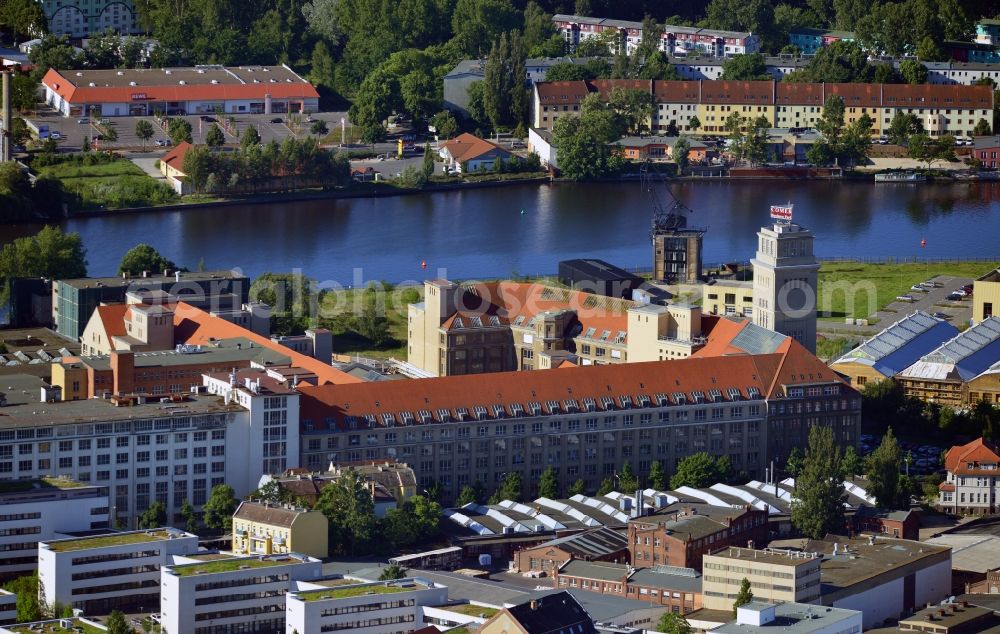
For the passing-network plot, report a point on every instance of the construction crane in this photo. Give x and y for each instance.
(664, 219)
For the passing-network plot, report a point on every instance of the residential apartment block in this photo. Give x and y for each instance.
(118, 571)
(810, 40)
(74, 300)
(215, 594)
(625, 36)
(972, 486)
(502, 326)
(79, 19)
(776, 576)
(584, 421)
(271, 529)
(943, 109)
(32, 511)
(380, 608)
(682, 537)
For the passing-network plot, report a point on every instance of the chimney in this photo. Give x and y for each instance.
(177, 276)
(534, 605)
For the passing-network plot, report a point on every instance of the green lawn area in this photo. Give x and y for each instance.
(224, 565)
(71, 170)
(339, 309)
(55, 627)
(353, 591)
(108, 185)
(845, 288)
(104, 541)
(829, 349)
(472, 610)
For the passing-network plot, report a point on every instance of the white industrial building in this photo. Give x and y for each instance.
(39, 510)
(117, 571)
(204, 594)
(794, 618)
(384, 607)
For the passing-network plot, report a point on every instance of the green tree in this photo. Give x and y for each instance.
(428, 164)
(841, 62)
(470, 495)
(416, 521)
(913, 71)
(539, 31)
(372, 323)
(22, 19)
(375, 101)
(179, 131)
(548, 484)
(818, 505)
(607, 486)
(143, 257)
(319, 128)
(189, 516)
(27, 605)
(902, 126)
(634, 106)
(510, 489)
(217, 512)
(250, 138)
(852, 462)
(882, 469)
(694, 123)
(756, 16)
(392, 572)
(929, 51)
(657, 477)
(699, 470)
(291, 297)
(831, 122)
(627, 480)
(117, 624)
(153, 517)
(349, 508)
(144, 131)
(567, 71)
(744, 596)
(584, 152)
(921, 147)
(674, 623)
(477, 23)
(794, 462)
(49, 253)
(54, 51)
(445, 125)
(745, 67)
(215, 137)
(323, 72)
(577, 488)
(982, 128)
(504, 97)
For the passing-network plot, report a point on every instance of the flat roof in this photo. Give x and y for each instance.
(138, 282)
(115, 539)
(794, 618)
(25, 408)
(602, 570)
(768, 556)
(55, 626)
(46, 488)
(469, 609)
(245, 350)
(348, 591)
(217, 566)
(956, 616)
(863, 561)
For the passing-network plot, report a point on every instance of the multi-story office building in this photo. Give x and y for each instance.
(623, 35)
(74, 300)
(384, 607)
(943, 109)
(270, 529)
(777, 576)
(583, 421)
(682, 536)
(77, 18)
(229, 595)
(501, 326)
(118, 571)
(972, 486)
(38, 510)
(784, 282)
(8, 607)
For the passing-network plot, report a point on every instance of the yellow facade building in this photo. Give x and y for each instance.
(727, 297)
(986, 296)
(269, 529)
(776, 576)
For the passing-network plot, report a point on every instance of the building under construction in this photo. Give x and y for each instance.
(677, 248)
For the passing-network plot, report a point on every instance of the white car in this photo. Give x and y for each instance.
(55, 135)
(905, 298)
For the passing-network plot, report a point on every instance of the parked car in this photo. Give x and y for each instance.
(207, 119)
(905, 298)
(954, 297)
(961, 292)
(56, 135)
(942, 315)
(918, 288)
(277, 120)
(83, 120)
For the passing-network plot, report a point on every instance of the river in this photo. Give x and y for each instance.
(483, 232)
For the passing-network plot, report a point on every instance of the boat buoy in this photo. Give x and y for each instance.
(522, 212)
(923, 242)
(423, 264)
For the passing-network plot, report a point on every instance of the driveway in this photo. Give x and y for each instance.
(148, 165)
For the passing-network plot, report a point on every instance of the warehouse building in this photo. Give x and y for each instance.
(179, 91)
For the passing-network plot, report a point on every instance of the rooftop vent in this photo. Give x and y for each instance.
(182, 82)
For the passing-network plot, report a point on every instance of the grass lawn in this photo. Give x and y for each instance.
(108, 185)
(353, 591)
(69, 170)
(104, 541)
(829, 349)
(340, 307)
(471, 610)
(225, 565)
(845, 288)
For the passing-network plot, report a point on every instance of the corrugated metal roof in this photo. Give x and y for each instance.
(901, 344)
(969, 353)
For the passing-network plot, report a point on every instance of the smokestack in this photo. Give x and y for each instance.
(6, 142)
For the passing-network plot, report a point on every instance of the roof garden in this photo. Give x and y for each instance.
(470, 610)
(347, 592)
(107, 541)
(76, 626)
(215, 566)
(20, 486)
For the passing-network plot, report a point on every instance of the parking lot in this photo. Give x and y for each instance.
(73, 130)
(934, 301)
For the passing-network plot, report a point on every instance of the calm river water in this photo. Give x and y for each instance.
(483, 233)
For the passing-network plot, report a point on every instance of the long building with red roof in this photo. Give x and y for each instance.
(179, 91)
(586, 422)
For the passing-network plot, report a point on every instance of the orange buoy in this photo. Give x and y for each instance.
(423, 264)
(923, 242)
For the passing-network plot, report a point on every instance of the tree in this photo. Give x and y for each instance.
(852, 462)
(250, 138)
(831, 122)
(577, 488)
(567, 71)
(22, 19)
(583, 141)
(54, 51)
(744, 596)
(921, 147)
(745, 67)
(49, 253)
(657, 478)
(982, 128)
(143, 257)
(349, 508)
(416, 521)
(215, 137)
(818, 505)
(154, 517)
(882, 469)
(607, 486)
(189, 516)
(929, 51)
(372, 323)
(627, 480)
(217, 512)
(27, 605)
(375, 101)
(699, 470)
(509, 489)
(179, 131)
(144, 131)
(634, 106)
(392, 572)
(504, 96)
(756, 16)
(539, 31)
(471, 494)
(902, 126)
(674, 623)
(428, 163)
(445, 125)
(319, 128)
(913, 71)
(548, 484)
(117, 624)
(292, 299)
(694, 123)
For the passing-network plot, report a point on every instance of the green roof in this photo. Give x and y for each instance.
(347, 592)
(18, 486)
(54, 627)
(471, 610)
(228, 565)
(106, 541)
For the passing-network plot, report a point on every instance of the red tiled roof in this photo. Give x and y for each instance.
(857, 95)
(66, 89)
(936, 96)
(195, 326)
(175, 157)
(605, 86)
(677, 91)
(966, 459)
(112, 318)
(467, 147)
(330, 405)
(561, 93)
(737, 92)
